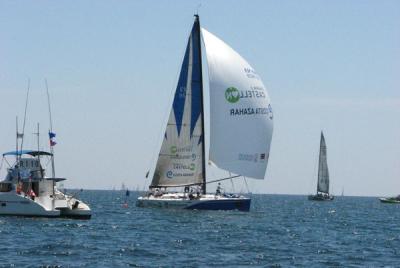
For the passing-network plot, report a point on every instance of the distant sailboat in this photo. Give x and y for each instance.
(241, 124)
(323, 175)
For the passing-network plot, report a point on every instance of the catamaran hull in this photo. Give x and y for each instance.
(12, 204)
(241, 204)
(81, 211)
(16, 205)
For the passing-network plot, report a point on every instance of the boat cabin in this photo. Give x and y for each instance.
(26, 169)
(27, 174)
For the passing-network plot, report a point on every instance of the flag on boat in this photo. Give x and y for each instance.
(20, 135)
(52, 137)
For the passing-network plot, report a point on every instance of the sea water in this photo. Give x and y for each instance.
(279, 231)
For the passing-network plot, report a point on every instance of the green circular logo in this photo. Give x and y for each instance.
(173, 149)
(232, 94)
(192, 166)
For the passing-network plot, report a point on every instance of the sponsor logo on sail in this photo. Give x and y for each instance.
(271, 114)
(250, 73)
(248, 157)
(192, 157)
(179, 166)
(232, 94)
(173, 149)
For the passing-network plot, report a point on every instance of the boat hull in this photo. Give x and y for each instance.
(389, 200)
(203, 203)
(76, 209)
(12, 204)
(320, 197)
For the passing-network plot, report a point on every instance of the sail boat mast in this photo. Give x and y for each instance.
(53, 171)
(38, 141)
(23, 126)
(197, 23)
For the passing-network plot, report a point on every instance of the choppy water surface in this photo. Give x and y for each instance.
(279, 231)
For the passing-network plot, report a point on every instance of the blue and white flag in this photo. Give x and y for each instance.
(52, 138)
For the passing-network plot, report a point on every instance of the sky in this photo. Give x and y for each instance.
(112, 67)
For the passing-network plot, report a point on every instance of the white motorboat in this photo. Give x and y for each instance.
(26, 191)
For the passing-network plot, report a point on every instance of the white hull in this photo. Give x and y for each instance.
(18, 205)
(13, 204)
(204, 202)
(76, 209)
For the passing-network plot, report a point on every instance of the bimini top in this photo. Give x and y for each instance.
(28, 152)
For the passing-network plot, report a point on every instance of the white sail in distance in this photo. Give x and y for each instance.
(241, 119)
(323, 172)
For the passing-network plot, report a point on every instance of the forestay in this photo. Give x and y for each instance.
(241, 120)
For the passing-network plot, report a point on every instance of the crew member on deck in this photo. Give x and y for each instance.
(218, 191)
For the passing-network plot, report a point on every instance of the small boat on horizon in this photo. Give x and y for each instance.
(241, 124)
(391, 200)
(323, 175)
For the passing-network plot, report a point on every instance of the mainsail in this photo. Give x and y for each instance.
(240, 112)
(181, 158)
(323, 172)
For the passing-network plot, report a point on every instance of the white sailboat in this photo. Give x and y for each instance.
(323, 175)
(28, 191)
(241, 125)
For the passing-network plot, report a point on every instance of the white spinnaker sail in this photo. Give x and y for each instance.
(323, 172)
(240, 112)
(180, 161)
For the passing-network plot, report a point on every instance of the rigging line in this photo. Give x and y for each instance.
(247, 186)
(233, 185)
(6, 161)
(26, 107)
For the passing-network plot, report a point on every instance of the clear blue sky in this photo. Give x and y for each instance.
(112, 67)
